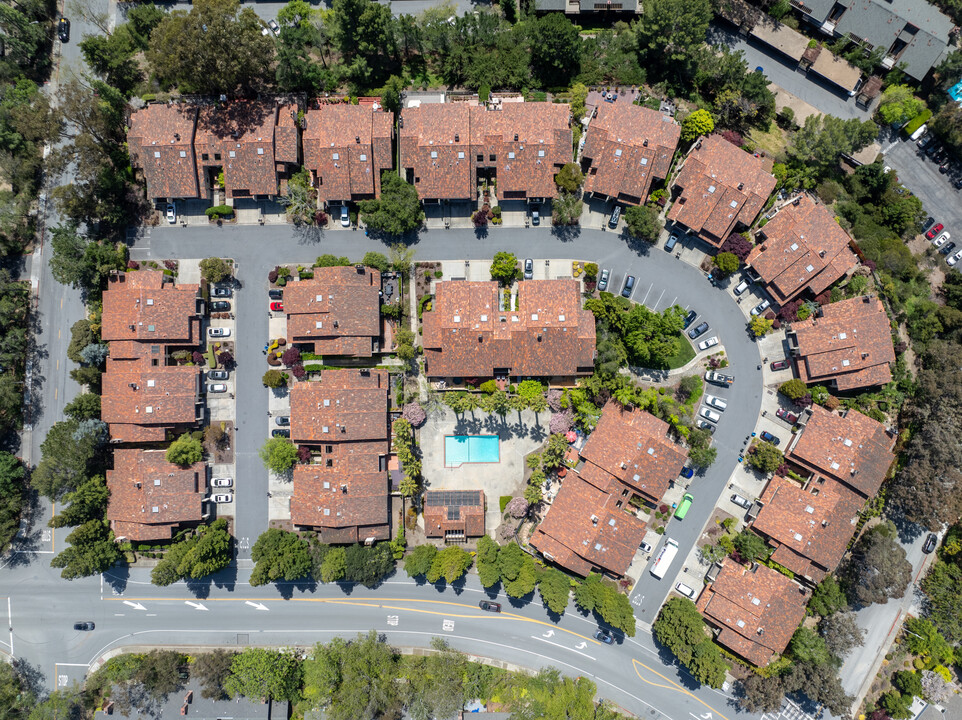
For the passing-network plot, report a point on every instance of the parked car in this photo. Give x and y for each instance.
(603, 280)
(687, 473)
(955, 258)
(929, 222)
(223, 498)
(283, 420)
(629, 286)
(275, 294)
(710, 342)
(221, 291)
(779, 365)
(222, 482)
(709, 414)
(671, 242)
(925, 142)
(615, 217)
(345, 216)
(528, 268)
(931, 542)
(284, 433)
(685, 590)
(701, 329)
(689, 318)
(219, 306)
(216, 387)
(706, 426)
(934, 231)
(218, 332)
(947, 248)
(761, 307)
(718, 378)
(741, 287)
(941, 240)
(85, 626)
(604, 636)
(277, 306)
(786, 415)
(171, 213)
(645, 548)
(716, 402)
(272, 24)
(741, 501)
(63, 32)
(218, 375)
(535, 217)
(768, 437)
(490, 606)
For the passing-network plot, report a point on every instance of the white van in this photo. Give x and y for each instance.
(919, 133)
(685, 590)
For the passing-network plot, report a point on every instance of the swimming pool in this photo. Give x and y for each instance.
(460, 449)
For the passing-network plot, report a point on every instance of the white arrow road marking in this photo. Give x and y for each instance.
(582, 645)
(535, 637)
(548, 634)
(134, 605)
(256, 605)
(196, 606)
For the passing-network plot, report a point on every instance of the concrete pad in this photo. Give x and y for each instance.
(188, 272)
(784, 99)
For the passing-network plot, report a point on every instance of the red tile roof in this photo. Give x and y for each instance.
(343, 406)
(634, 447)
(161, 140)
(239, 138)
(588, 529)
(848, 343)
(803, 248)
(530, 142)
(338, 311)
(286, 143)
(141, 306)
(347, 147)
(757, 609)
(628, 146)
(549, 335)
(154, 398)
(810, 528)
(721, 186)
(851, 448)
(150, 498)
(458, 512)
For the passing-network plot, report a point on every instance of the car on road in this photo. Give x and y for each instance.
(275, 294)
(645, 548)
(615, 217)
(85, 626)
(741, 501)
(222, 482)
(933, 231)
(223, 498)
(955, 258)
(779, 365)
(741, 287)
(687, 473)
(218, 375)
(219, 306)
(716, 402)
(689, 319)
(283, 420)
(931, 542)
(528, 268)
(171, 213)
(535, 217)
(685, 590)
(216, 387)
(604, 636)
(718, 378)
(345, 216)
(701, 329)
(710, 342)
(603, 280)
(63, 32)
(768, 437)
(221, 332)
(277, 306)
(283, 433)
(761, 307)
(706, 426)
(221, 291)
(941, 240)
(272, 24)
(786, 415)
(490, 606)
(929, 222)
(947, 248)
(629, 286)
(709, 414)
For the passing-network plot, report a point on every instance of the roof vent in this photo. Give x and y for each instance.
(357, 139)
(645, 143)
(516, 138)
(457, 138)
(741, 186)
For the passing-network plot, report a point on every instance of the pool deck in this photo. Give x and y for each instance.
(519, 433)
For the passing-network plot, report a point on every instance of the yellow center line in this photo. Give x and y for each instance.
(672, 686)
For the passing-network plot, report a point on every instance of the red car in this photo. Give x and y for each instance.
(787, 415)
(780, 365)
(936, 229)
(277, 306)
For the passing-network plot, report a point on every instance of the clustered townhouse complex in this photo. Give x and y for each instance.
(343, 415)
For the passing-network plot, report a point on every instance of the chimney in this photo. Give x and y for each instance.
(457, 138)
(176, 136)
(357, 139)
(516, 138)
(645, 143)
(741, 186)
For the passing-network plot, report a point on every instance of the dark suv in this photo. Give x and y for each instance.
(697, 331)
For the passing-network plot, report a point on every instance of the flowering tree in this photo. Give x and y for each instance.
(560, 422)
(414, 414)
(518, 507)
(554, 399)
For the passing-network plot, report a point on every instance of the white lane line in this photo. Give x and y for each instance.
(647, 293)
(563, 647)
(655, 306)
(10, 625)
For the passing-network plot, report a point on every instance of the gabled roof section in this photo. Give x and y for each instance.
(154, 398)
(242, 133)
(435, 140)
(629, 146)
(803, 248)
(285, 134)
(160, 140)
(459, 511)
(343, 406)
(141, 306)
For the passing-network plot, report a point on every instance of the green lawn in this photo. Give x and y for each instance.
(684, 356)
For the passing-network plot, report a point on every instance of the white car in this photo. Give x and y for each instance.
(955, 258)
(222, 482)
(709, 414)
(761, 307)
(223, 498)
(275, 28)
(716, 402)
(216, 387)
(218, 332)
(171, 213)
(941, 240)
(345, 217)
(708, 342)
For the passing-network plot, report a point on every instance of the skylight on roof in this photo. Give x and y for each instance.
(611, 522)
(534, 316)
(835, 466)
(541, 153)
(336, 156)
(847, 443)
(644, 161)
(711, 188)
(183, 153)
(618, 152)
(156, 153)
(798, 538)
(484, 318)
(363, 157)
(809, 509)
(149, 409)
(756, 601)
(842, 336)
(651, 451)
(794, 246)
(457, 318)
(733, 204)
(510, 156)
(740, 623)
(460, 155)
(597, 546)
(434, 153)
(260, 151)
(231, 153)
(809, 268)
(846, 363)
(151, 383)
(561, 318)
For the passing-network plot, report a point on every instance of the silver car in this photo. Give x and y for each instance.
(716, 402)
(223, 498)
(709, 414)
(710, 342)
(761, 307)
(216, 387)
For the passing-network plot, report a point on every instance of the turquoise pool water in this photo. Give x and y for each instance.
(460, 449)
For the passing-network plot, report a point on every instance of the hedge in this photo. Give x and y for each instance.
(219, 211)
(917, 122)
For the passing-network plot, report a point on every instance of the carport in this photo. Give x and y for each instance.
(781, 38)
(840, 73)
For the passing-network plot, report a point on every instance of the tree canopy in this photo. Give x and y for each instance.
(397, 211)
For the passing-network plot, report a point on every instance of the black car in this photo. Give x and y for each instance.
(86, 626)
(931, 542)
(697, 331)
(604, 636)
(490, 606)
(275, 294)
(690, 318)
(281, 433)
(947, 248)
(929, 222)
(63, 30)
(629, 286)
(219, 306)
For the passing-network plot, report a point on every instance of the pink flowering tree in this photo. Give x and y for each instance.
(414, 414)
(560, 422)
(517, 507)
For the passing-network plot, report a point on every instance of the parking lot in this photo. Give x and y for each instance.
(220, 391)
